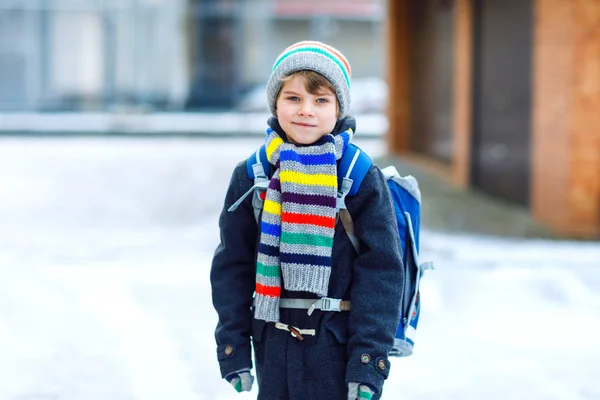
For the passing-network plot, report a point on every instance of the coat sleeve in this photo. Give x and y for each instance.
(377, 282)
(233, 275)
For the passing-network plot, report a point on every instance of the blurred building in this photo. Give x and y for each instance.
(167, 54)
(90, 54)
(235, 42)
(503, 96)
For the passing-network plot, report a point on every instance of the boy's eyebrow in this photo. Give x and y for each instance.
(325, 93)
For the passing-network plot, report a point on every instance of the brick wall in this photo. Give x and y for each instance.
(566, 116)
(462, 102)
(398, 79)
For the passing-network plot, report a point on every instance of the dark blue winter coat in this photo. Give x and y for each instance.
(348, 346)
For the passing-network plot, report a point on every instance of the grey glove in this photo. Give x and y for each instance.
(359, 391)
(241, 380)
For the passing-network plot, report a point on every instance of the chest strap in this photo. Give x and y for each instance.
(323, 304)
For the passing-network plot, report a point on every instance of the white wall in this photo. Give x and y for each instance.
(77, 54)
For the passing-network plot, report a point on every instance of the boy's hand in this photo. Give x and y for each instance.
(241, 380)
(357, 391)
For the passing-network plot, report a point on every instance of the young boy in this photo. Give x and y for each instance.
(268, 280)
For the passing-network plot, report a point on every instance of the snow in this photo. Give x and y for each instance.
(105, 250)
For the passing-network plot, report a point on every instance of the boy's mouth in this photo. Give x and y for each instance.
(304, 124)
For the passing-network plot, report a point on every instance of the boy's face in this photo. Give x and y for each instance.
(305, 117)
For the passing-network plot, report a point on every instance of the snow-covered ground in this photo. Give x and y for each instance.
(105, 249)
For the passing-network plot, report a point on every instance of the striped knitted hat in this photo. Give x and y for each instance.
(312, 56)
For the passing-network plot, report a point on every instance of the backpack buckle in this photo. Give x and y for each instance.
(329, 304)
(342, 193)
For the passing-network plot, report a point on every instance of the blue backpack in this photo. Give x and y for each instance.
(406, 196)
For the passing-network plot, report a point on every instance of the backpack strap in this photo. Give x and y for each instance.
(259, 170)
(258, 165)
(354, 166)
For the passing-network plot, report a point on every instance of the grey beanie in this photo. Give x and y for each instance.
(312, 56)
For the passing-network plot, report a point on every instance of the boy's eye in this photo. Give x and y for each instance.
(293, 98)
(322, 100)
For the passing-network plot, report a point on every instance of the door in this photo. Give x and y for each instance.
(431, 30)
(502, 98)
(215, 83)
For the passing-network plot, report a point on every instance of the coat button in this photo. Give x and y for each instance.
(382, 365)
(365, 358)
(228, 350)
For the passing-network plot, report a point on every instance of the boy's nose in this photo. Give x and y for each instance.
(305, 109)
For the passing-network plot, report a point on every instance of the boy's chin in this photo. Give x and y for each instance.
(305, 141)
(303, 138)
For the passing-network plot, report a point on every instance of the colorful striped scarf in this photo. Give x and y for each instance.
(298, 220)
